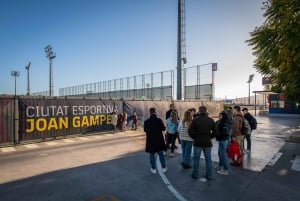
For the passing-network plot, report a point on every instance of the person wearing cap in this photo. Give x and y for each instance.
(222, 137)
(155, 144)
(202, 130)
(237, 124)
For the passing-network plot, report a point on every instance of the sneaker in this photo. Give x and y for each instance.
(203, 179)
(223, 172)
(194, 177)
(153, 171)
(172, 154)
(165, 170)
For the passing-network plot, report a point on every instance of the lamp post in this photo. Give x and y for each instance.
(28, 83)
(249, 81)
(15, 136)
(50, 55)
(15, 74)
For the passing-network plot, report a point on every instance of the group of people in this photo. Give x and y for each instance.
(195, 133)
(119, 121)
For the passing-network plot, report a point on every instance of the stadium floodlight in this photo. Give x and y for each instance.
(15, 74)
(50, 55)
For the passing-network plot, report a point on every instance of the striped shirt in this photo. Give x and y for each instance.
(183, 131)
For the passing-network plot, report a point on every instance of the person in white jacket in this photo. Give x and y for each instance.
(185, 139)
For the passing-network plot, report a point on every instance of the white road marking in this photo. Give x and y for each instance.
(83, 138)
(296, 164)
(68, 140)
(167, 182)
(274, 159)
(31, 146)
(8, 149)
(51, 143)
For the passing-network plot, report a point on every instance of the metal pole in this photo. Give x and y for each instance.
(179, 68)
(15, 86)
(28, 81)
(213, 86)
(249, 95)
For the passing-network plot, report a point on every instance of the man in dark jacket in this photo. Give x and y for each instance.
(153, 127)
(202, 129)
(249, 118)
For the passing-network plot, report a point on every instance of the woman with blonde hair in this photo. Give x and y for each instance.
(185, 139)
(172, 129)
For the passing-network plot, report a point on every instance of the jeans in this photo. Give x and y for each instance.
(248, 139)
(208, 162)
(186, 147)
(171, 138)
(161, 158)
(222, 152)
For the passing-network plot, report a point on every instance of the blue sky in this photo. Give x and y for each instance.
(98, 40)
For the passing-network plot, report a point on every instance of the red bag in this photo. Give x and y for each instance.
(234, 150)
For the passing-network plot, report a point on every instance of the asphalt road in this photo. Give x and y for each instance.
(115, 167)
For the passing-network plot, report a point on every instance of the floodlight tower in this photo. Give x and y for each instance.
(50, 55)
(181, 48)
(15, 74)
(28, 82)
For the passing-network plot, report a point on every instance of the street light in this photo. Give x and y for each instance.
(249, 81)
(28, 83)
(15, 74)
(50, 55)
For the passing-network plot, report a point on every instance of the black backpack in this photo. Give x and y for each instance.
(246, 129)
(253, 123)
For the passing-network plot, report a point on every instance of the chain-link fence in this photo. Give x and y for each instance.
(148, 86)
(198, 85)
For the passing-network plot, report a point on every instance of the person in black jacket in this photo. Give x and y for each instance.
(153, 127)
(201, 130)
(223, 126)
(249, 118)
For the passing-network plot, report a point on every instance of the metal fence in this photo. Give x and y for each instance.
(198, 82)
(148, 86)
(198, 85)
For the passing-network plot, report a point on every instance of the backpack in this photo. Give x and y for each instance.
(253, 123)
(245, 127)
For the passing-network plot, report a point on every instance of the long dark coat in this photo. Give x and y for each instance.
(153, 127)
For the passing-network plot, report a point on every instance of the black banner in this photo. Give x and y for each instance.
(48, 118)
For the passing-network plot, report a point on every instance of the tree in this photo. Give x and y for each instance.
(276, 45)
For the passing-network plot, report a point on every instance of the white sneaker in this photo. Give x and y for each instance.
(153, 171)
(165, 170)
(223, 172)
(172, 154)
(203, 179)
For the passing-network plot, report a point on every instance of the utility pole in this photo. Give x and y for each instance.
(28, 82)
(50, 55)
